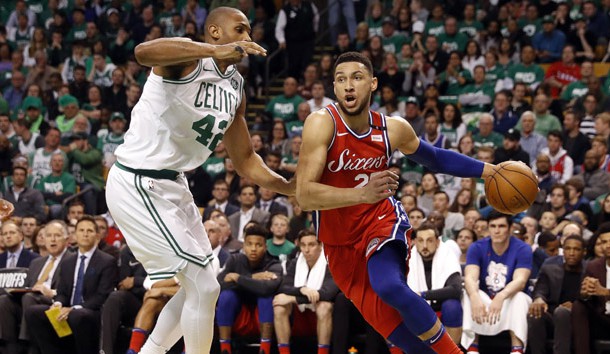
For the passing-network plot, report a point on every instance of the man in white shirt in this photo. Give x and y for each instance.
(319, 99)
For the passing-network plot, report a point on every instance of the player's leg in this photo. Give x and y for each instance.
(324, 316)
(387, 274)
(227, 310)
(451, 317)
(197, 320)
(281, 322)
(167, 331)
(265, 318)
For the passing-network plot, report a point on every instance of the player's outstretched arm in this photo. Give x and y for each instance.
(313, 195)
(403, 138)
(165, 52)
(248, 163)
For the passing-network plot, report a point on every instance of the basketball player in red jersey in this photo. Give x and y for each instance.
(343, 175)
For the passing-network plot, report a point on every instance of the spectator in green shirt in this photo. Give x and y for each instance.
(284, 107)
(278, 245)
(545, 121)
(57, 186)
(451, 39)
(477, 97)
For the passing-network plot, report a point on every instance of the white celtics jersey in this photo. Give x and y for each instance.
(176, 124)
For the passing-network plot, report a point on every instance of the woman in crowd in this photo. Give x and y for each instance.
(278, 138)
(451, 125)
(429, 186)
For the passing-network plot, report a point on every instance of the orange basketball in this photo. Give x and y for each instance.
(512, 188)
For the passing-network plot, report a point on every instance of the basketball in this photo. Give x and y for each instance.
(512, 188)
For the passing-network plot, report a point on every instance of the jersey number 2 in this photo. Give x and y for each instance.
(204, 127)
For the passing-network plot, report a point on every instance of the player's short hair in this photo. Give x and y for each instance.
(498, 215)
(578, 238)
(546, 237)
(427, 225)
(354, 57)
(309, 231)
(256, 230)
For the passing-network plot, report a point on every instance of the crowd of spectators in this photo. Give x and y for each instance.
(499, 81)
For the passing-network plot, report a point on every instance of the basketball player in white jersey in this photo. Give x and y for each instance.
(193, 99)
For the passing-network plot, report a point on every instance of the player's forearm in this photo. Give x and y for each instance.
(255, 169)
(318, 196)
(171, 51)
(512, 288)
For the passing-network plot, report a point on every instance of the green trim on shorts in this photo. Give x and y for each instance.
(188, 79)
(161, 275)
(164, 229)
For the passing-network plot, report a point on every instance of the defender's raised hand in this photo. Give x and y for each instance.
(237, 51)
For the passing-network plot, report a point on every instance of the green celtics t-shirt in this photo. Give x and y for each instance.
(434, 28)
(470, 28)
(480, 91)
(277, 250)
(606, 87)
(294, 128)
(284, 107)
(528, 74)
(78, 32)
(494, 140)
(393, 44)
(64, 183)
(530, 28)
(453, 86)
(494, 74)
(214, 165)
(576, 89)
(450, 43)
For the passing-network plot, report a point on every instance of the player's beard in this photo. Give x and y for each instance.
(358, 109)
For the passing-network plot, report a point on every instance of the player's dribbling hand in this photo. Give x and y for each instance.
(381, 185)
(235, 52)
(6, 209)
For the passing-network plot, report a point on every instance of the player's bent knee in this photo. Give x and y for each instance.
(562, 315)
(452, 313)
(281, 310)
(324, 309)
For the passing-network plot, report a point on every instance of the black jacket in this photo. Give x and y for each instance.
(238, 263)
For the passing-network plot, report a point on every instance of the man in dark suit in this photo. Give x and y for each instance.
(247, 212)
(221, 193)
(42, 278)
(555, 292)
(15, 255)
(123, 305)
(86, 279)
(267, 202)
(591, 313)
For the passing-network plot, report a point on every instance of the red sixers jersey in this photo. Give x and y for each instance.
(350, 161)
